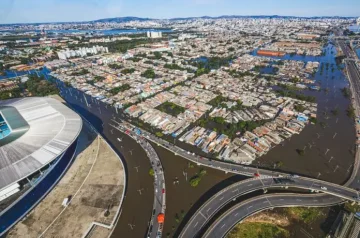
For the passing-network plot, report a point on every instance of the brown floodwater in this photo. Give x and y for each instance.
(330, 144)
(181, 198)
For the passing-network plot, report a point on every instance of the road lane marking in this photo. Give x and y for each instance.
(222, 226)
(208, 209)
(236, 214)
(196, 224)
(221, 198)
(203, 215)
(249, 185)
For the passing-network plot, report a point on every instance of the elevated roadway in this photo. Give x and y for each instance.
(159, 206)
(221, 199)
(228, 220)
(212, 206)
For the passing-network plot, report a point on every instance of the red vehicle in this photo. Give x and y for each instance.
(256, 174)
(163, 190)
(127, 132)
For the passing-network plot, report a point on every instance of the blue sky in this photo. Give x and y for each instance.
(25, 11)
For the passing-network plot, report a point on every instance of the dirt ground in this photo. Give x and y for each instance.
(95, 181)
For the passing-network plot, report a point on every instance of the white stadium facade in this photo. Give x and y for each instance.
(34, 132)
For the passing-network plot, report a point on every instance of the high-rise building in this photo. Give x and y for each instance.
(154, 34)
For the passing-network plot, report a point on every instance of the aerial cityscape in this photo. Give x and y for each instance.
(184, 119)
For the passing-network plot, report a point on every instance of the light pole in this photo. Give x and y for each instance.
(137, 168)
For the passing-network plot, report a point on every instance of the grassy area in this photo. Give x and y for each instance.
(257, 230)
(171, 108)
(304, 214)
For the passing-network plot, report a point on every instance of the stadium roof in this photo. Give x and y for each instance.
(41, 130)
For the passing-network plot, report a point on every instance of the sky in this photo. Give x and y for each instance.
(30, 11)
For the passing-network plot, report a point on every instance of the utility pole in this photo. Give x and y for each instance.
(137, 169)
(331, 158)
(131, 226)
(140, 190)
(327, 150)
(336, 168)
(185, 174)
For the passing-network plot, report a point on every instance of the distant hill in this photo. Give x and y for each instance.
(123, 19)
(131, 18)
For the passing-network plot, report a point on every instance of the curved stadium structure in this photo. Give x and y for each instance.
(37, 136)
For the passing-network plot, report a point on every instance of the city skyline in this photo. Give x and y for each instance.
(41, 11)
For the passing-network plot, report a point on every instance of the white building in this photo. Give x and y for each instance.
(82, 52)
(154, 34)
(358, 21)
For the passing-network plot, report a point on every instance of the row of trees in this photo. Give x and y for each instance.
(115, 66)
(149, 73)
(81, 72)
(295, 95)
(121, 88)
(128, 71)
(173, 66)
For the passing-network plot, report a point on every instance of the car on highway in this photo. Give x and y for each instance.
(323, 188)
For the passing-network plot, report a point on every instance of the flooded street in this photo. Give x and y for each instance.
(329, 145)
(181, 197)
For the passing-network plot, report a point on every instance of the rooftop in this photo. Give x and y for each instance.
(41, 129)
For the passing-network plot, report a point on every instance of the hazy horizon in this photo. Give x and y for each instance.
(48, 11)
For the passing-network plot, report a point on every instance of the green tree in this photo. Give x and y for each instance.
(194, 181)
(151, 172)
(149, 73)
